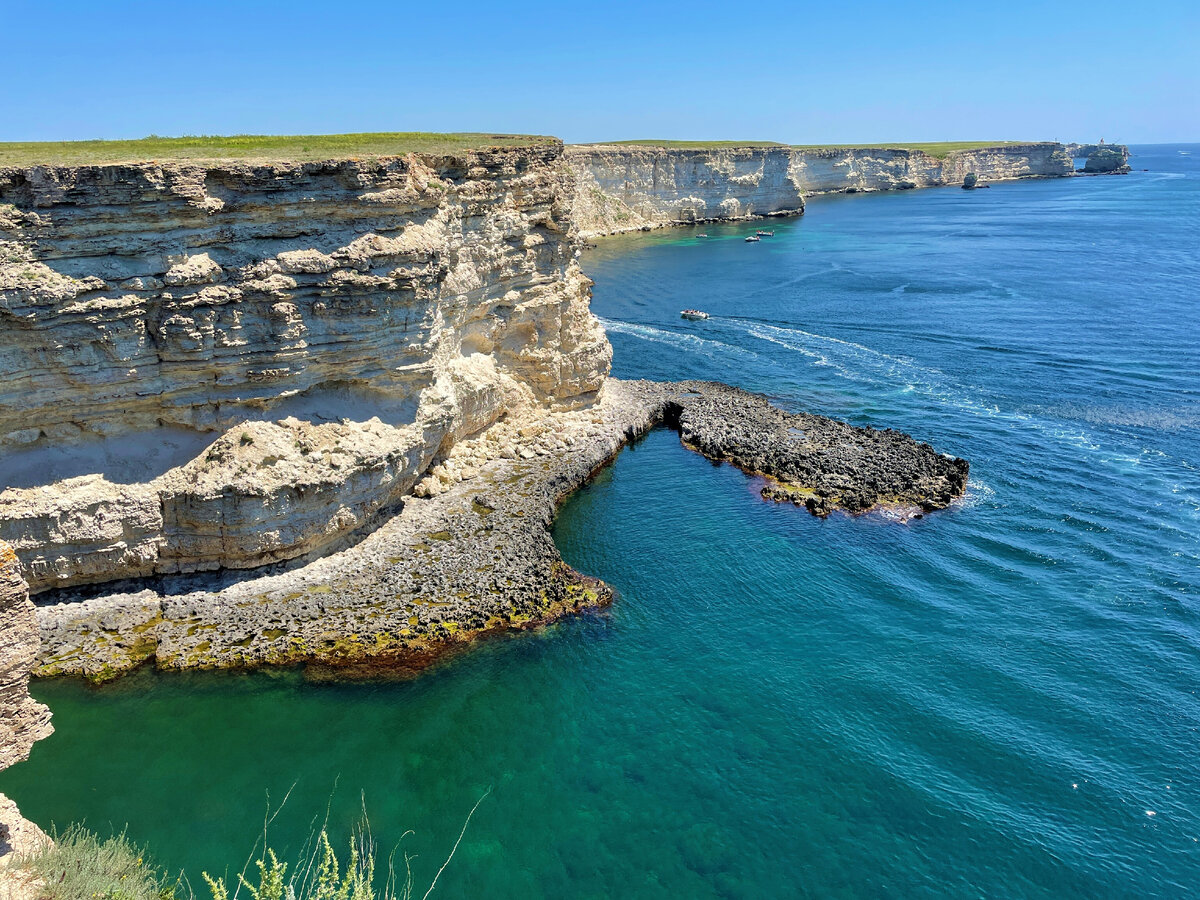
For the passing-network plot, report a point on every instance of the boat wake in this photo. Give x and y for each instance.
(681, 339)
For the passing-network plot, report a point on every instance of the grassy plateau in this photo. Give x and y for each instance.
(303, 148)
(938, 149)
(290, 148)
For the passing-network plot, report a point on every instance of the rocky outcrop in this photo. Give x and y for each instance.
(815, 462)
(22, 719)
(1101, 159)
(225, 365)
(472, 554)
(631, 187)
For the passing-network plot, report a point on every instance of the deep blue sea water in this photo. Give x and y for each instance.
(998, 700)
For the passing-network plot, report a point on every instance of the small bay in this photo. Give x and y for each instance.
(997, 700)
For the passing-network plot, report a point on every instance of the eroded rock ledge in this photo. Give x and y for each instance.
(472, 552)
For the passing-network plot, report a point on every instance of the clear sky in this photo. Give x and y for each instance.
(784, 70)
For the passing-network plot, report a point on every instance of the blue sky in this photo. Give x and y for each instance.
(772, 69)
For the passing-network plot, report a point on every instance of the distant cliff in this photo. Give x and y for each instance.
(1101, 159)
(226, 364)
(625, 188)
(821, 171)
(630, 187)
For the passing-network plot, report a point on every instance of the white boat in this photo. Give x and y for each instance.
(765, 233)
(693, 314)
(753, 238)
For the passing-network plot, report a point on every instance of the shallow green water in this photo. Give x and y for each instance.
(987, 702)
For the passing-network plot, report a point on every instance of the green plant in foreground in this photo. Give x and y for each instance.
(81, 866)
(78, 865)
(323, 883)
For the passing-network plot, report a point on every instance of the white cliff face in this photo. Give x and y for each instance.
(626, 188)
(828, 171)
(226, 365)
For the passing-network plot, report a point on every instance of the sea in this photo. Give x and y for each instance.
(996, 700)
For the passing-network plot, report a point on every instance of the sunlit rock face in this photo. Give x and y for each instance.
(625, 188)
(22, 719)
(631, 187)
(229, 364)
(828, 171)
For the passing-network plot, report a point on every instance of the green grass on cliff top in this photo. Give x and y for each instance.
(939, 149)
(290, 148)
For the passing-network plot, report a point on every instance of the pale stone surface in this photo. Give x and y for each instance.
(828, 171)
(627, 188)
(18, 838)
(231, 302)
(22, 720)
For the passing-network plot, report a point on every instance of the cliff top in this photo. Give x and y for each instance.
(274, 148)
(686, 145)
(937, 149)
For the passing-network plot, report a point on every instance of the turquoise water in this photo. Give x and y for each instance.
(990, 701)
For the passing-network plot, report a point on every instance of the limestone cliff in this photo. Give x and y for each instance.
(213, 365)
(22, 719)
(1101, 159)
(625, 188)
(859, 169)
(631, 187)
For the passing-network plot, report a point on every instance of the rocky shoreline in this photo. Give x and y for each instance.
(471, 552)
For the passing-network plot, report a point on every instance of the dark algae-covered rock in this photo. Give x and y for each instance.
(820, 463)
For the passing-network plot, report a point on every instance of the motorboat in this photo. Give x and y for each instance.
(693, 314)
(753, 238)
(765, 233)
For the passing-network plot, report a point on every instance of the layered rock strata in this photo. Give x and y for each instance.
(22, 719)
(631, 187)
(1101, 159)
(225, 365)
(473, 553)
(822, 171)
(627, 188)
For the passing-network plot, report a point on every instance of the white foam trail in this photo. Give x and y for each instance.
(691, 342)
(864, 365)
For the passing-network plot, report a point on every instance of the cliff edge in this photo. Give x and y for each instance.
(212, 365)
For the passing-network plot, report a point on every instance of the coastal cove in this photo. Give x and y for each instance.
(989, 700)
